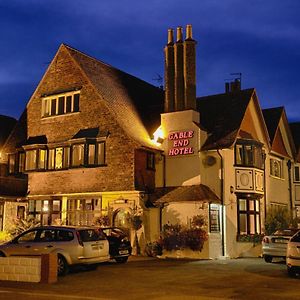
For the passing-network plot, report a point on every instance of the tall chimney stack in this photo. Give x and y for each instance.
(179, 80)
(189, 65)
(169, 74)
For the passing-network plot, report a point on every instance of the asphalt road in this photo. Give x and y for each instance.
(148, 278)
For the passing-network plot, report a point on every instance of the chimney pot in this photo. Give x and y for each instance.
(179, 34)
(189, 33)
(170, 37)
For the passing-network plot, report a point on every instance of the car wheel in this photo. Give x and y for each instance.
(62, 266)
(268, 258)
(291, 272)
(121, 260)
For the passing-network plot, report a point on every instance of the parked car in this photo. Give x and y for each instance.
(293, 255)
(275, 245)
(119, 244)
(73, 245)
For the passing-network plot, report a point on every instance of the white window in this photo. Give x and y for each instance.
(60, 104)
(276, 167)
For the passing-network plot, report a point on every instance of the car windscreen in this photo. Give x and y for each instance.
(90, 235)
(285, 232)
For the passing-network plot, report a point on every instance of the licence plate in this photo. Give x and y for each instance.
(97, 247)
(123, 252)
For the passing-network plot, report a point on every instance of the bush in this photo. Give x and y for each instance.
(279, 219)
(102, 221)
(20, 225)
(175, 237)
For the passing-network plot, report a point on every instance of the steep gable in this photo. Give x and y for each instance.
(135, 104)
(223, 115)
(281, 137)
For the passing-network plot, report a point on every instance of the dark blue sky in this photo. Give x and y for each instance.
(259, 38)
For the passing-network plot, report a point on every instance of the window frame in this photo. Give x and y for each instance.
(249, 153)
(150, 160)
(60, 104)
(248, 212)
(279, 161)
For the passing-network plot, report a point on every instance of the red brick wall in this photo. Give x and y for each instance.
(64, 74)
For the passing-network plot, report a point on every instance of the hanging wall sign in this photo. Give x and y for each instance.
(180, 143)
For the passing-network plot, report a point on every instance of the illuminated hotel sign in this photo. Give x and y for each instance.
(179, 143)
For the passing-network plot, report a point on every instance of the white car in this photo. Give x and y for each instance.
(275, 245)
(293, 255)
(73, 245)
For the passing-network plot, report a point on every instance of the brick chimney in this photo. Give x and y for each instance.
(169, 74)
(189, 59)
(180, 71)
(179, 80)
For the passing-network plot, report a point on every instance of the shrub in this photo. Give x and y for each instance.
(279, 219)
(176, 237)
(102, 221)
(20, 225)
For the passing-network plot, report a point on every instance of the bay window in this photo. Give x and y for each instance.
(249, 153)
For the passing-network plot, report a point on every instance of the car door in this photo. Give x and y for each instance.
(23, 244)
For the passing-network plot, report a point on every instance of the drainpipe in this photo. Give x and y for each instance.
(222, 202)
(289, 165)
(265, 190)
(161, 207)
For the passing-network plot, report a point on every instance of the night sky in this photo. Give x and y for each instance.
(260, 39)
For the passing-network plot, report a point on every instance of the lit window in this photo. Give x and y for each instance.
(30, 160)
(101, 153)
(249, 154)
(42, 159)
(21, 162)
(11, 163)
(60, 104)
(58, 158)
(248, 216)
(77, 155)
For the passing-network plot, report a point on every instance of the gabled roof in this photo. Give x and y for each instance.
(272, 117)
(221, 115)
(295, 129)
(6, 124)
(134, 103)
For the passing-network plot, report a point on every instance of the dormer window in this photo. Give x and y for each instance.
(60, 104)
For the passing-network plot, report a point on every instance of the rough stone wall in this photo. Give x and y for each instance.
(64, 74)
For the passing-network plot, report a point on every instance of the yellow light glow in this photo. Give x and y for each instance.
(158, 135)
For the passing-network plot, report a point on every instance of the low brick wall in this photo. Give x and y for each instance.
(29, 269)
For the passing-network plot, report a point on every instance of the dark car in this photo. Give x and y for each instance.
(119, 244)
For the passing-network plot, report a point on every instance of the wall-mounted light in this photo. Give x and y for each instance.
(158, 135)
